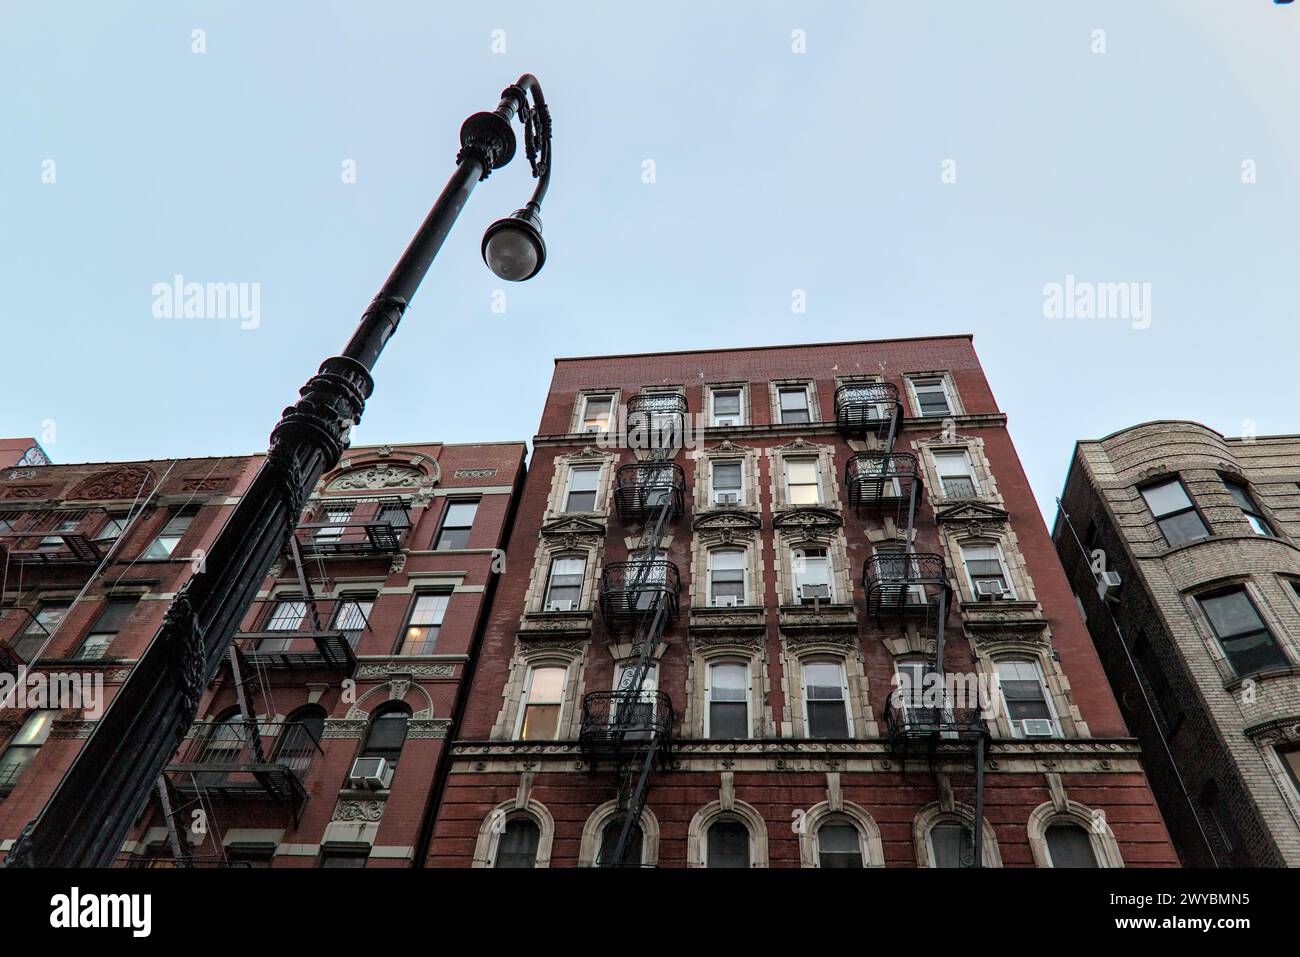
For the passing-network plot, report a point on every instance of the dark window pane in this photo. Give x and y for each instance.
(826, 719)
(336, 859)
(838, 845)
(728, 845)
(728, 720)
(518, 845)
(1186, 527)
(1070, 846)
(387, 735)
(632, 854)
(953, 845)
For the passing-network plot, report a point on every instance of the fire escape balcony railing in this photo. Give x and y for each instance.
(656, 420)
(52, 536)
(628, 590)
(903, 583)
(351, 527)
(867, 408)
(641, 487)
(25, 636)
(280, 634)
(618, 725)
(881, 478)
(924, 726)
(166, 861)
(228, 759)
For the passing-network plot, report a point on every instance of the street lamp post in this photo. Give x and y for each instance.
(89, 815)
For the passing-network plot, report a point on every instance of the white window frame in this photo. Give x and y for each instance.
(714, 392)
(1037, 665)
(568, 489)
(796, 579)
(1012, 595)
(744, 572)
(844, 695)
(839, 819)
(813, 460)
(550, 579)
(943, 385)
(807, 397)
(743, 492)
(745, 666)
(586, 402)
(527, 693)
(937, 455)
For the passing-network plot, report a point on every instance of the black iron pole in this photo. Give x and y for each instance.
(103, 793)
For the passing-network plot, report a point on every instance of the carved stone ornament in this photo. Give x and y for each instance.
(375, 477)
(368, 811)
(570, 530)
(728, 522)
(125, 481)
(804, 520)
(975, 515)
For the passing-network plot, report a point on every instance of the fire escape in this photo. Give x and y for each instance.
(631, 728)
(905, 586)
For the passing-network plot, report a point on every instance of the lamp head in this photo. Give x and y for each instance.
(513, 248)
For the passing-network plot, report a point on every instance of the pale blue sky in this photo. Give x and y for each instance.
(775, 171)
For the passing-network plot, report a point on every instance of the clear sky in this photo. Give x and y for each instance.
(774, 170)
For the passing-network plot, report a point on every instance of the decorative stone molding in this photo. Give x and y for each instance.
(554, 624)
(425, 728)
(726, 525)
(345, 728)
(735, 810)
(837, 812)
(380, 476)
(571, 531)
(808, 523)
(368, 811)
(971, 518)
(819, 618)
(706, 621)
(385, 671)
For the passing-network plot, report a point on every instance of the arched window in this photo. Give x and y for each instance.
(952, 844)
(1068, 845)
(387, 733)
(518, 844)
(826, 699)
(728, 844)
(727, 576)
(727, 693)
(299, 741)
(633, 854)
(839, 844)
(564, 587)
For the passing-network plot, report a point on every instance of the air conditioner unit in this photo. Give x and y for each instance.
(815, 592)
(726, 601)
(728, 498)
(558, 604)
(1108, 583)
(990, 590)
(1037, 727)
(373, 774)
(725, 420)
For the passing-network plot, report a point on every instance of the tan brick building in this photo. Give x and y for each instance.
(1181, 545)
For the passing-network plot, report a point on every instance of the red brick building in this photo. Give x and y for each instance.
(774, 610)
(321, 741)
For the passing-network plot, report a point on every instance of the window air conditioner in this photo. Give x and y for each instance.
(1037, 727)
(728, 498)
(990, 590)
(373, 774)
(726, 601)
(725, 420)
(1108, 583)
(815, 592)
(560, 604)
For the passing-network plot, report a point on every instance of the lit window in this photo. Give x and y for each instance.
(543, 699)
(727, 481)
(728, 845)
(726, 407)
(801, 482)
(1174, 512)
(727, 576)
(424, 624)
(596, 412)
(106, 628)
(518, 845)
(456, 525)
(952, 845)
(839, 845)
(932, 396)
(812, 575)
(564, 591)
(956, 475)
(1241, 495)
(581, 493)
(988, 579)
(727, 716)
(1245, 639)
(794, 405)
(1025, 696)
(826, 699)
(1068, 845)
(22, 748)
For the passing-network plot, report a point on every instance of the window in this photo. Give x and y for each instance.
(65, 527)
(728, 845)
(956, 475)
(423, 625)
(299, 741)
(826, 700)
(794, 404)
(1218, 823)
(1025, 697)
(609, 835)
(1168, 709)
(543, 702)
(988, 579)
(334, 517)
(247, 857)
(352, 618)
(726, 407)
(727, 576)
(387, 734)
(932, 397)
(111, 529)
(456, 524)
(897, 567)
(801, 482)
(812, 575)
(167, 540)
(839, 844)
(518, 844)
(343, 858)
(596, 412)
(395, 516)
(564, 589)
(952, 845)
(727, 481)
(1245, 639)
(23, 746)
(580, 496)
(727, 715)
(286, 615)
(1241, 495)
(48, 618)
(1068, 845)
(1174, 512)
(106, 627)
(1290, 758)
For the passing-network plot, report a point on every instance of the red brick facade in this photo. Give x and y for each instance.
(780, 781)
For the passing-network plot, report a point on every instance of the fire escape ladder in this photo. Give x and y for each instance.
(180, 847)
(252, 730)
